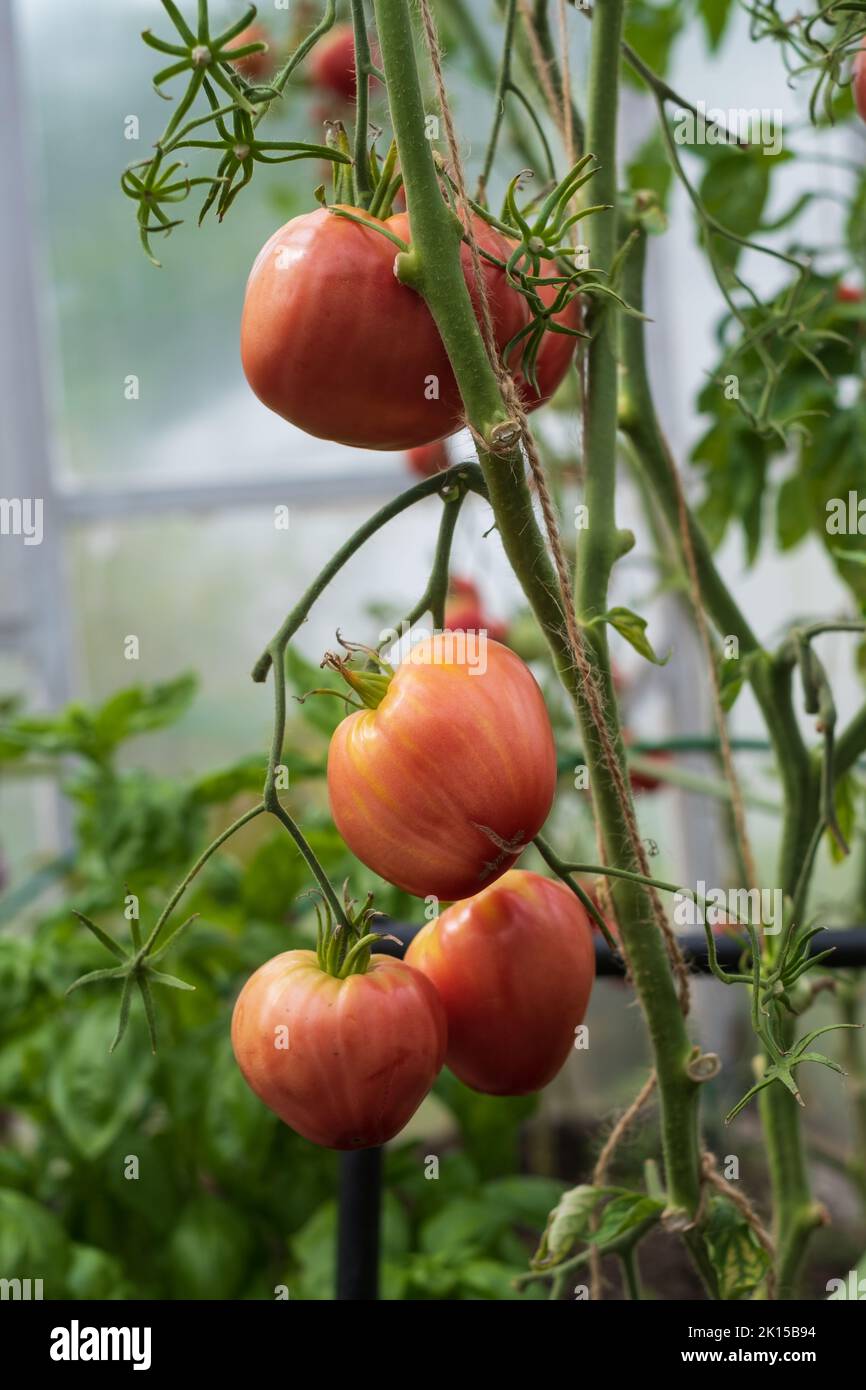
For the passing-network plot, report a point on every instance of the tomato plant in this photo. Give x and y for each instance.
(345, 1060)
(444, 781)
(514, 966)
(392, 331)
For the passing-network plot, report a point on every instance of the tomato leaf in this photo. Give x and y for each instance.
(731, 681)
(652, 29)
(736, 1254)
(793, 512)
(715, 14)
(846, 816)
(632, 627)
(625, 1213)
(651, 169)
(734, 191)
(570, 1222)
(567, 1225)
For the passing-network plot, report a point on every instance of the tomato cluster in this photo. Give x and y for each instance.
(333, 342)
(438, 785)
(448, 772)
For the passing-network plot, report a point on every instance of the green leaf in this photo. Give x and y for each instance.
(567, 1225)
(651, 29)
(633, 628)
(275, 876)
(219, 787)
(651, 169)
(715, 15)
(737, 1256)
(33, 1244)
(143, 708)
(734, 191)
(846, 815)
(94, 1093)
(793, 512)
(209, 1250)
(525, 1199)
(464, 1224)
(239, 1133)
(94, 1274)
(627, 1212)
(731, 681)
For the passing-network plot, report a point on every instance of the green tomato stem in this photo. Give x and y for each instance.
(434, 269)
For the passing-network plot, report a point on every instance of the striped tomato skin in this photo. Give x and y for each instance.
(345, 1063)
(514, 967)
(441, 787)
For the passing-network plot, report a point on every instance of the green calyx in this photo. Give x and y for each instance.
(136, 970)
(371, 682)
(343, 950)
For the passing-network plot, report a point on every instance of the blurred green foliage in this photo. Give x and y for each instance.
(227, 1202)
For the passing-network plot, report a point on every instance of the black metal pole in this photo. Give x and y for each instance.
(358, 1224)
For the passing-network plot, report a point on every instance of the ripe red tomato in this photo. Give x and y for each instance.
(858, 80)
(849, 294)
(428, 459)
(644, 781)
(332, 63)
(332, 341)
(255, 67)
(555, 353)
(464, 610)
(345, 1063)
(514, 967)
(442, 786)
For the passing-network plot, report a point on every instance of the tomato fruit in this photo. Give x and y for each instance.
(514, 967)
(644, 781)
(255, 67)
(858, 80)
(344, 1062)
(332, 62)
(332, 341)
(849, 294)
(428, 459)
(464, 610)
(441, 786)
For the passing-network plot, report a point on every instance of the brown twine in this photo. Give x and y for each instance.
(542, 68)
(567, 108)
(603, 1162)
(591, 692)
(731, 777)
(711, 1177)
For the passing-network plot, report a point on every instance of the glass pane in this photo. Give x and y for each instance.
(109, 314)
